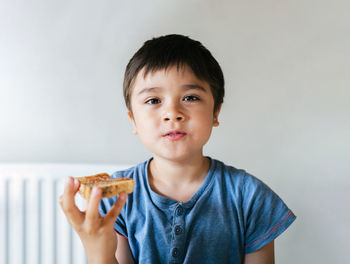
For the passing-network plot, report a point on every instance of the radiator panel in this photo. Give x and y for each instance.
(33, 228)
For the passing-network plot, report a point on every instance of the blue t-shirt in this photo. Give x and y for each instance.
(231, 214)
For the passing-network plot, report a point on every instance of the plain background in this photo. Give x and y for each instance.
(286, 116)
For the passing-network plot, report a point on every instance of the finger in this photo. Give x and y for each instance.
(76, 185)
(67, 202)
(71, 187)
(115, 210)
(92, 213)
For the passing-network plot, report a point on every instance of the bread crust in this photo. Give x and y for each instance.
(110, 186)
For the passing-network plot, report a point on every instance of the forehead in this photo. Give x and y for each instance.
(172, 76)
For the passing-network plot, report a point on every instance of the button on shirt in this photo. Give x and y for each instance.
(231, 214)
(179, 211)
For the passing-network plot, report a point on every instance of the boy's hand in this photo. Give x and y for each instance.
(96, 233)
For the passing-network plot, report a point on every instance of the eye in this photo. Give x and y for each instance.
(189, 98)
(153, 101)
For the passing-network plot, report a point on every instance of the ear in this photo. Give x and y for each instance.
(216, 117)
(134, 131)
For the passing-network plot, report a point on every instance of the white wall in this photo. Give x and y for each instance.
(286, 116)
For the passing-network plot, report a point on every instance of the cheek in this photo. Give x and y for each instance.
(204, 125)
(145, 121)
(205, 117)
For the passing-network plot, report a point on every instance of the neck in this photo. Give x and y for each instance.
(178, 173)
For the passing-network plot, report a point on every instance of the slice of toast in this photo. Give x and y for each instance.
(110, 186)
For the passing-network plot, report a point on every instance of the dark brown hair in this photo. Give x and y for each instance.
(165, 51)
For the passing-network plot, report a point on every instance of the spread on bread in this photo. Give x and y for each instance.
(110, 186)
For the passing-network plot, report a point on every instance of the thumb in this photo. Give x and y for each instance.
(117, 207)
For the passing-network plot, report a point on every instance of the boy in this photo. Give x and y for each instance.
(185, 208)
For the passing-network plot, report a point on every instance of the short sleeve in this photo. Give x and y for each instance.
(119, 224)
(266, 215)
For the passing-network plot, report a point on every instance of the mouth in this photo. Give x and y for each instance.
(174, 135)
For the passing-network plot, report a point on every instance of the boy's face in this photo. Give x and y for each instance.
(172, 112)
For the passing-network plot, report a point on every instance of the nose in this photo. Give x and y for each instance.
(173, 113)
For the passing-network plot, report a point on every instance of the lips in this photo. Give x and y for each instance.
(174, 135)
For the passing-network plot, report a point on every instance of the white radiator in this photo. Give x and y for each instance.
(33, 229)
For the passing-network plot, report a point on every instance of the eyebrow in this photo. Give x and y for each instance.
(148, 90)
(185, 87)
(194, 87)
